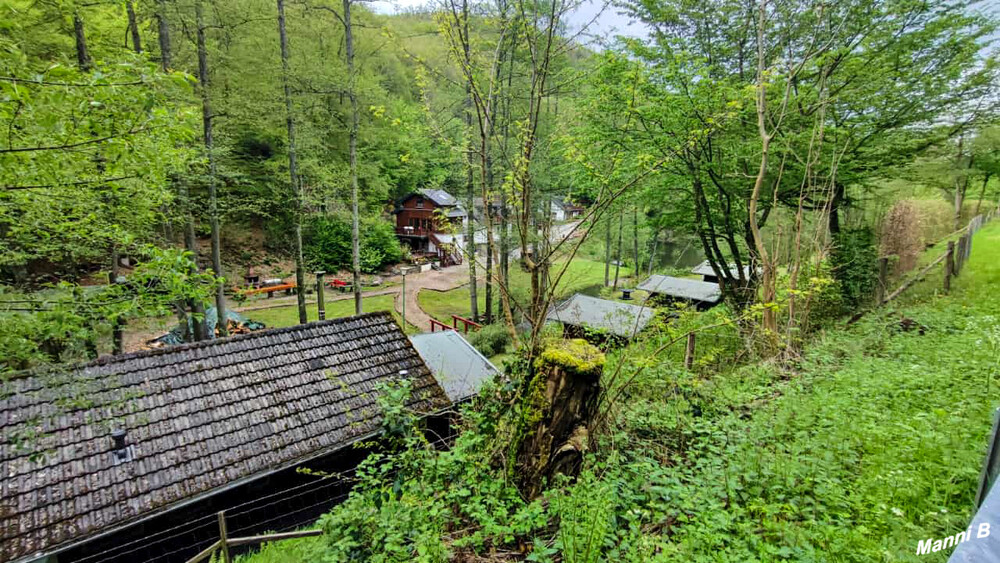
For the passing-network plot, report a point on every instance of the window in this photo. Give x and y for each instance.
(420, 203)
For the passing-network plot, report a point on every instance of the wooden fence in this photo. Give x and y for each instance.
(954, 259)
(225, 542)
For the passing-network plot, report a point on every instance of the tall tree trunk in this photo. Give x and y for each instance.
(982, 191)
(163, 28)
(293, 172)
(635, 240)
(652, 252)
(133, 26)
(618, 252)
(504, 252)
(768, 280)
(82, 55)
(607, 252)
(213, 200)
(470, 188)
(961, 183)
(200, 331)
(353, 142)
(118, 325)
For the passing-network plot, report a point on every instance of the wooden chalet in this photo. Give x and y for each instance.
(128, 458)
(423, 216)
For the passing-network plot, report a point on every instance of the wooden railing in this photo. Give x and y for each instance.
(954, 258)
(436, 324)
(466, 323)
(225, 542)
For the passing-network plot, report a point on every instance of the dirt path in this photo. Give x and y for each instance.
(442, 280)
(291, 300)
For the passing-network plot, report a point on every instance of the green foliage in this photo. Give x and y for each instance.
(65, 322)
(327, 244)
(490, 340)
(854, 264)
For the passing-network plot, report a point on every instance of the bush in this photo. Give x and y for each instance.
(854, 262)
(490, 340)
(902, 235)
(327, 244)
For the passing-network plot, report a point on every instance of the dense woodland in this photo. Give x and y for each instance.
(797, 141)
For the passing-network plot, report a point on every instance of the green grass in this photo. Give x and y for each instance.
(288, 315)
(874, 442)
(582, 275)
(869, 442)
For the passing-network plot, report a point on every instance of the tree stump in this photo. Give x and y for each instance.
(557, 413)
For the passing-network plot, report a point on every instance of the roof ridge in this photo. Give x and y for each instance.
(114, 359)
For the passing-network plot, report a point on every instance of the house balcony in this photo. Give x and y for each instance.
(408, 231)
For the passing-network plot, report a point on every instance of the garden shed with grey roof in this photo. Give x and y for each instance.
(701, 293)
(458, 367)
(198, 419)
(581, 313)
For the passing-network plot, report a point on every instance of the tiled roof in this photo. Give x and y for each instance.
(622, 319)
(440, 197)
(198, 416)
(683, 288)
(457, 366)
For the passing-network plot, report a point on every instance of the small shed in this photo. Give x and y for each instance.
(582, 313)
(129, 447)
(708, 274)
(458, 367)
(700, 293)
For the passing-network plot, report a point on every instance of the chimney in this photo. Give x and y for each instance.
(118, 436)
(121, 452)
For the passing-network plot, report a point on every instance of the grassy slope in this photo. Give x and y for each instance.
(276, 317)
(874, 444)
(581, 274)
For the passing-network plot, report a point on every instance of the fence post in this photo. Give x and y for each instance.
(883, 279)
(689, 352)
(224, 539)
(959, 255)
(949, 266)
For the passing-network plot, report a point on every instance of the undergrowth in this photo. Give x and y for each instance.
(871, 441)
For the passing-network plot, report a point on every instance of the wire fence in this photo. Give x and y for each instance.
(954, 258)
(279, 512)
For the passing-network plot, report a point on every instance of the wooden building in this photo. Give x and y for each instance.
(708, 274)
(128, 458)
(422, 216)
(597, 319)
(458, 367)
(699, 293)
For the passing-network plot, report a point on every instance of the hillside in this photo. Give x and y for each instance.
(869, 443)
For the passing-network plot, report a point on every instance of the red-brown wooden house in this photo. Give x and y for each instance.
(425, 213)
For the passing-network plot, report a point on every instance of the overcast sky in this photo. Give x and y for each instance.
(606, 25)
